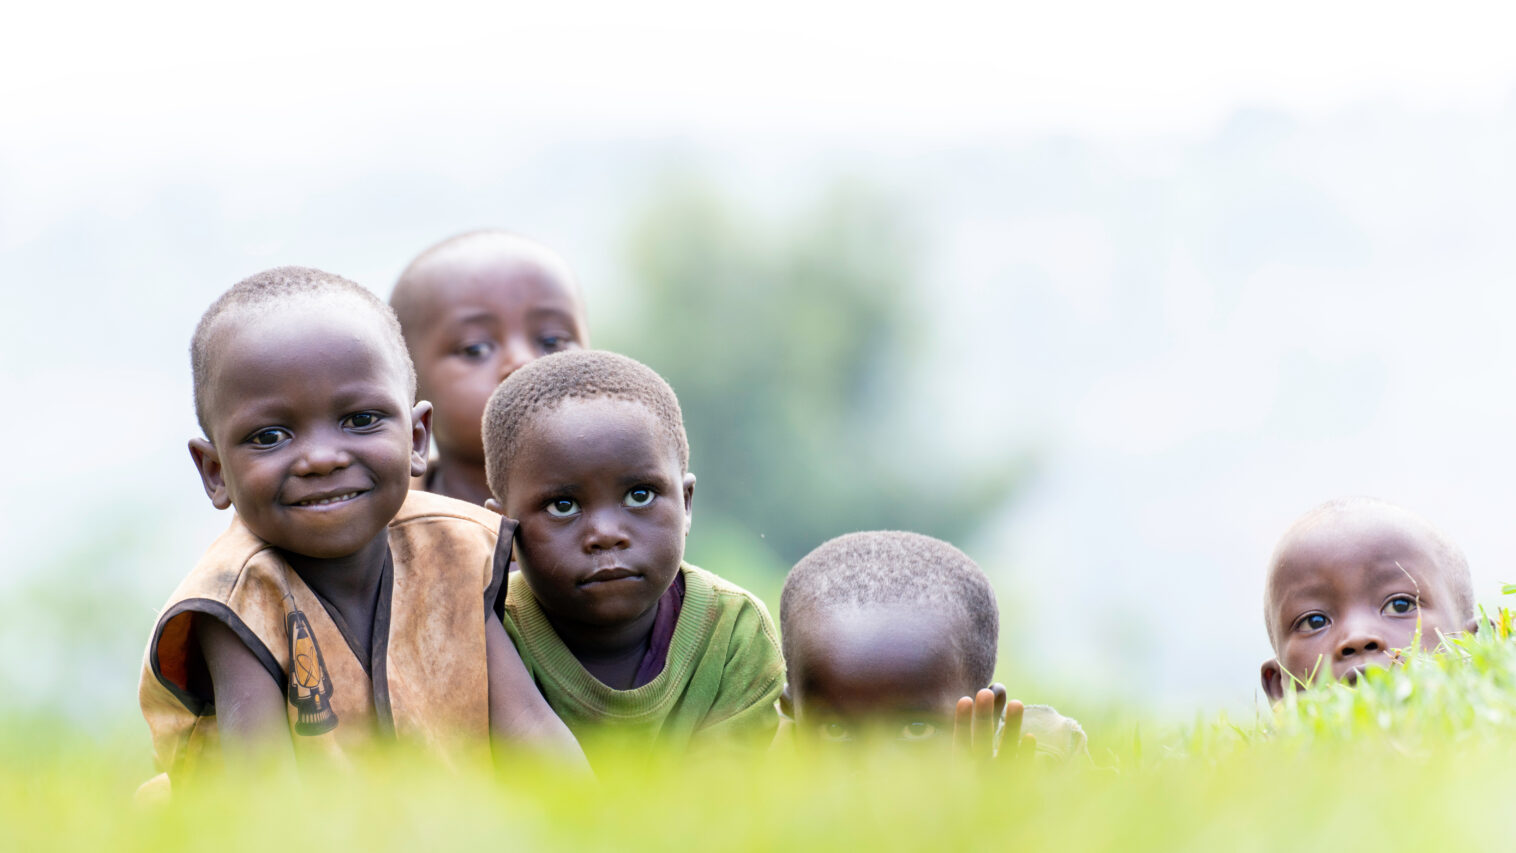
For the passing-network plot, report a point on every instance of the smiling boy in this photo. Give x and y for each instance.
(1351, 581)
(474, 308)
(587, 451)
(338, 606)
(890, 638)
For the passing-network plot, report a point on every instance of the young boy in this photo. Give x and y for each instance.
(890, 637)
(338, 606)
(1352, 580)
(587, 451)
(473, 309)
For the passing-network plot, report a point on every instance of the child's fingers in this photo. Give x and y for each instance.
(963, 717)
(982, 730)
(1012, 734)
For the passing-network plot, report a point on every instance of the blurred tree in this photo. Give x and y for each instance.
(789, 349)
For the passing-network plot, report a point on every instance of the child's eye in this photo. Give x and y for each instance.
(1399, 604)
(917, 730)
(553, 343)
(638, 497)
(267, 437)
(362, 420)
(1311, 622)
(476, 350)
(835, 732)
(562, 508)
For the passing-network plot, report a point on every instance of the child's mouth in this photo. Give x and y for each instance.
(609, 575)
(328, 500)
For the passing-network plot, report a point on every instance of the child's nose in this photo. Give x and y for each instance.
(321, 457)
(604, 531)
(517, 352)
(1360, 640)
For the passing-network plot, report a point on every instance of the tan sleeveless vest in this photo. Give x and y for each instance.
(425, 682)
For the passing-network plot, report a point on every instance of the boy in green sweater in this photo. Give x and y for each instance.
(629, 644)
(890, 638)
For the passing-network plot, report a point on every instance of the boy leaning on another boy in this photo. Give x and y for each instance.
(311, 627)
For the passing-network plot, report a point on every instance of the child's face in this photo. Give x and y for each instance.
(482, 321)
(313, 437)
(603, 509)
(1345, 593)
(875, 674)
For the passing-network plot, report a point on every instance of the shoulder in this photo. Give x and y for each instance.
(437, 534)
(238, 582)
(744, 612)
(424, 507)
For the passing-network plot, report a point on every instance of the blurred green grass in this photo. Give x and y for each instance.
(1413, 757)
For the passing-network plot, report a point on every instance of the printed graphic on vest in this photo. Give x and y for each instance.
(310, 689)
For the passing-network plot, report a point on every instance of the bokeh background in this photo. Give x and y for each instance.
(1105, 293)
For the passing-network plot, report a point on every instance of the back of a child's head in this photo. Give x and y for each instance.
(286, 289)
(897, 570)
(549, 382)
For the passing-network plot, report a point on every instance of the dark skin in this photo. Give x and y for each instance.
(1348, 589)
(891, 676)
(472, 315)
(313, 440)
(604, 507)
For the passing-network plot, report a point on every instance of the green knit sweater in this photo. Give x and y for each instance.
(723, 674)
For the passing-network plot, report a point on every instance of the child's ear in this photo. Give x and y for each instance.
(421, 437)
(1273, 680)
(208, 465)
(786, 704)
(493, 506)
(689, 502)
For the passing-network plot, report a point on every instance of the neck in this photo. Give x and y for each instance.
(344, 579)
(457, 479)
(605, 643)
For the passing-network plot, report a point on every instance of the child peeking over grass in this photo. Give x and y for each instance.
(474, 308)
(338, 608)
(1353, 580)
(890, 638)
(629, 643)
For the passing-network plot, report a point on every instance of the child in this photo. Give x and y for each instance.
(1354, 579)
(587, 451)
(473, 309)
(338, 606)
(891, 637)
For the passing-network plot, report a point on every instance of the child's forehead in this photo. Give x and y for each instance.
(1354, 553)
(482, 271)
(300, 333)
(581, 418)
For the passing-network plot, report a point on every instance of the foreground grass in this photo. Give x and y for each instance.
(1416, 757)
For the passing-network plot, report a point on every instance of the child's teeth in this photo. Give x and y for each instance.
(333, 499)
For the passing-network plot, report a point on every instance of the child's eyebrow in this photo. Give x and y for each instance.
(638, 477)
(550, 313)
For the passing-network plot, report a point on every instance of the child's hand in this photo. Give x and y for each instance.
(987, 724)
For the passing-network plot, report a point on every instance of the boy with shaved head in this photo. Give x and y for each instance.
(890, 637)
(473, 309)
(1353, 580)
(338, 608)
(629, 643)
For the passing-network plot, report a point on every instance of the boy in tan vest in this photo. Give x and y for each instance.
(339, 608)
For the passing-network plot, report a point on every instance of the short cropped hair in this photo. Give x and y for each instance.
(1449, 556)
(409, 296)
(277, 288)
(544, 384)
(892, 567)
